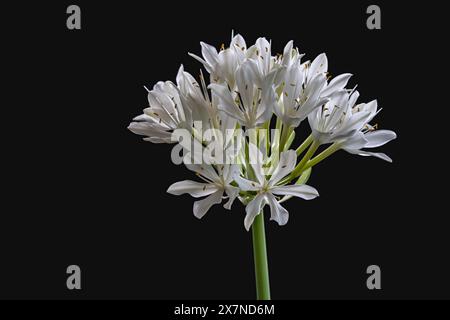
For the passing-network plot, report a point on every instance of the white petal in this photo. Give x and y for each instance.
(153, 131)
(277, 212)
(355, 123)
(379, 138)
(195, 189)
(378, 155)
(287, 53)
(318, 66)
(247, 77)
(371, 107)
(256, 161)
(285, 166)
(160, 139)
(202, 206)
(336, 84)
(239, 42)
(353, 98)
(381, 156)
(143, 117)
(247, 185)
(145, 128)
(227, 104)
(232, 193)
(313, 90)
(253, 209)
(302, 191)
(264, 54)
(228, 63)
(209, 54)
(230, 171)
(239, 46)
(293, 85)
(355, 142)
(205, 170)
(205, 64)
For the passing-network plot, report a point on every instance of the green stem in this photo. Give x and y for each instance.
(289, 140)
(304, 145)
(321, 156)
(299, 168)
(260, 258)
(284, 136)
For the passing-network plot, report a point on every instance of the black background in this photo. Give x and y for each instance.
(81, 189)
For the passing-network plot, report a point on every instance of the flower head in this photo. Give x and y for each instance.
(251, 109)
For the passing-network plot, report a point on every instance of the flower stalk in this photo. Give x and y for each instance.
(260, 258)
(299, 168)
(322, 156)
(304, 145)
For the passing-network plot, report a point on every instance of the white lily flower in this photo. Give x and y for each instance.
(304, 87)
(214, 187)
(299, 97)
(342, 121)
(165, 114)
(222, 65)
(252, 103)
(319, 67)
(267, 189)
(194, 97)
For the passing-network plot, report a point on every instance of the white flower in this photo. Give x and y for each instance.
(214, 187)
(304, 87)
(342, 121)
(267, 188)
(164, 115)
(369, 139)
(222, 65)
(319, 67)
(195, 99)
(299, 97)
(252, 103)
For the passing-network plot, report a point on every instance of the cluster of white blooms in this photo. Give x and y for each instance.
(248, 87)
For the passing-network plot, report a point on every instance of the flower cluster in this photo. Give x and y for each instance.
(264, 97)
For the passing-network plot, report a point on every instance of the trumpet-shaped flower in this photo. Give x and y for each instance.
(165, 114)
(222, 65)
(252, 103)
(299, 97)
(346, 123)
